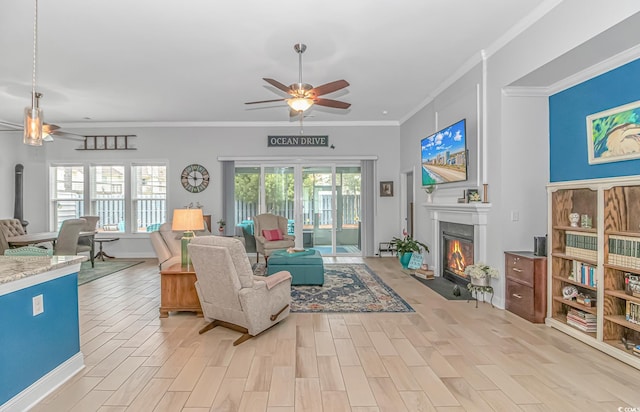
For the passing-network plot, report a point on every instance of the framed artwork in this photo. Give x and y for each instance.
(386, 189)
(473, 195)
(614, 135)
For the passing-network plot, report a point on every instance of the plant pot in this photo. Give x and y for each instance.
(405, 258)
(485, 281)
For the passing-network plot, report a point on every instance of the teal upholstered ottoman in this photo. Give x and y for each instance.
(306, 267)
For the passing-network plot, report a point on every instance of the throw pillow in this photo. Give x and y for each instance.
(273, 234)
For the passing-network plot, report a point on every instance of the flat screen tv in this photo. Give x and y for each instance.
(444, 155)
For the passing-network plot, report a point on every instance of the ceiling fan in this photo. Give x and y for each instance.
(49, 131)
(304, 95)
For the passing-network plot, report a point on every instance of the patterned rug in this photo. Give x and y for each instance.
(347, 288)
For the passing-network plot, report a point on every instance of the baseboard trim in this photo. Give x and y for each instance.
(29, 397)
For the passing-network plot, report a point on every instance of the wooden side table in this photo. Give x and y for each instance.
(178, 291)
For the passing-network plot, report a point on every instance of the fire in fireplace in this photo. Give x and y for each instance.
(456, 259)
(457, 252)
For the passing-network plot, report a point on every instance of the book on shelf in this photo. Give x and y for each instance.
(581, 245)
(583, 321)
(584, 273)
(624, 251)
(632, 312)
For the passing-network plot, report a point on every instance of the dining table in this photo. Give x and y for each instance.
(42, 237)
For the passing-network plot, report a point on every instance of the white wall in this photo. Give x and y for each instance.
(203, 145)
(459, 101)
(517, 127)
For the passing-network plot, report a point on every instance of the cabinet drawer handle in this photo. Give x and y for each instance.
(515, 295)
(517, 270)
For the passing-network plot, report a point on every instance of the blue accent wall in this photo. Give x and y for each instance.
(32, 346)
(568, 110)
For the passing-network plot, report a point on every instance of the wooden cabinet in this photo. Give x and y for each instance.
(595, 260)
(526, 285)
(178, 291)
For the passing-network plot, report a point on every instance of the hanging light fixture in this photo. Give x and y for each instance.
(300, 104)
(33, 115)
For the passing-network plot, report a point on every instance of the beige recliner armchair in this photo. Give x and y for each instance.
(269, 222)
(229, 293)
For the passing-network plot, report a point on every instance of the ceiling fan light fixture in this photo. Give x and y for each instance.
(300, 104)
(33, 119)
(33, 124)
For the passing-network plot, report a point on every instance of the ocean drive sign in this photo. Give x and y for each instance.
(289, 141)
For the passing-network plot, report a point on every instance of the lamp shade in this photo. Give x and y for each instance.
(187, 220)
(33, 126)
(300, 103)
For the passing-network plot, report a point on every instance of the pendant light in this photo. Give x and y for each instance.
(33, 115)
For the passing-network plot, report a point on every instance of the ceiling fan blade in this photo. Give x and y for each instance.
(11, 126)
(332, 103)
(277, 85)
(267, 101)
(330, 87)
(69, 136)
(49, 128)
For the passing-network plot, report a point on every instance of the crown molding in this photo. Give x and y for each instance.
(597, 69)
(177, 124)
(475, 59)
(515, 91)
(589, 73)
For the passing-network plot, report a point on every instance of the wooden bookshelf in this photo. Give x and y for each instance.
(612, 204)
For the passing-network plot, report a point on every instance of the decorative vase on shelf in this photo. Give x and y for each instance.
(574, 218)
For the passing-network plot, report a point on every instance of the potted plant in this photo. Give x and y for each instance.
(480, 274)
(221, 224)
(405, 248)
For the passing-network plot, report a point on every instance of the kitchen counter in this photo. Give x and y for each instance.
(14, 268)
(40, 327)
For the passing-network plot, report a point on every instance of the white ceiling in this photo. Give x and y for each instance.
(200, 60)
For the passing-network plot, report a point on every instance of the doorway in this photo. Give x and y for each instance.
(321, 202)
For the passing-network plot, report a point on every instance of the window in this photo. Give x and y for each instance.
(149, 196)
(67, 193)
(127, 197)
(107, 196)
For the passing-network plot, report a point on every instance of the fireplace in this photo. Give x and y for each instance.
(457, 251)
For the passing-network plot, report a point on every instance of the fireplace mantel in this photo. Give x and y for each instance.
(475, 214)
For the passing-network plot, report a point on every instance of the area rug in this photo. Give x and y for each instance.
(444, 288)
(347, 288)
(101, 269)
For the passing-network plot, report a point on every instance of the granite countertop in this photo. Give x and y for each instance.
(13, 268)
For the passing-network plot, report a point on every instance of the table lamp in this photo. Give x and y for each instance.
(187, 220)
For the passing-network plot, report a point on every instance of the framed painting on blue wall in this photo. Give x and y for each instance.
(614, 135)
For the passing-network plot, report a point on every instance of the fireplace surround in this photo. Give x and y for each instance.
(473, 216)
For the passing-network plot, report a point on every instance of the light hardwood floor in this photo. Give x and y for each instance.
(447, 356)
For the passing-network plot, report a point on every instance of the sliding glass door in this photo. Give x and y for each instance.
(321, 202)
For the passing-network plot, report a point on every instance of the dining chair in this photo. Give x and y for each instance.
(85, 243)
(67, 243)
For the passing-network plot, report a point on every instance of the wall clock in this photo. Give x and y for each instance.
(195, 178)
